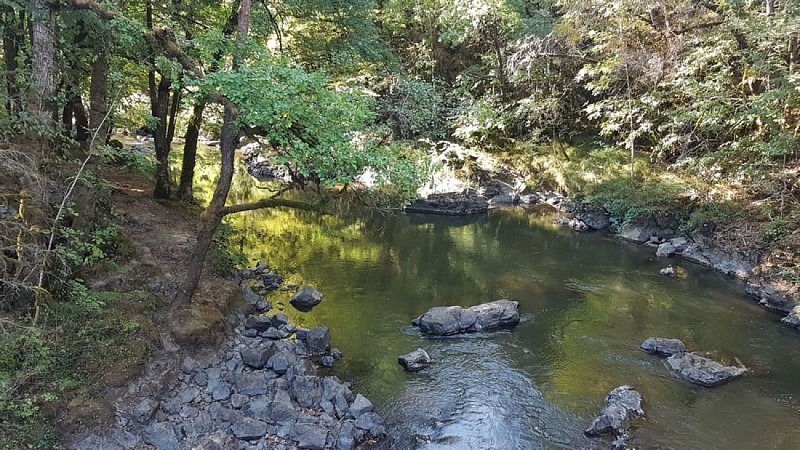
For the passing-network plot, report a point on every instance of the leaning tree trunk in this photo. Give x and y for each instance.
(213, 215)
(43, 34)
(186, 188)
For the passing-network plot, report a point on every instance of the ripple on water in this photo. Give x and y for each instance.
(473, 398)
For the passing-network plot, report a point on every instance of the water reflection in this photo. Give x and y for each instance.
(587, 304)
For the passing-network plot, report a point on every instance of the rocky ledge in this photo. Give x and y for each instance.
(259, 390)
(448, 320)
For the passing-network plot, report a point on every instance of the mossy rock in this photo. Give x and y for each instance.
(198, 325)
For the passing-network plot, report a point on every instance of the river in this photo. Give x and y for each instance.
(587, 302)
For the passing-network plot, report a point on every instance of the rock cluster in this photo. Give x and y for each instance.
(691, 366)
(259, 391)
(449, 320)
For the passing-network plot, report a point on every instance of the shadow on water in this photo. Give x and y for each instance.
(587, 304)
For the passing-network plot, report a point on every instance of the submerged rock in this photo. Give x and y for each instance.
(698, 369)
(622, 404)
(306, 299)
(447, 320)
(668, 271)
(415, 361)
(663, 346)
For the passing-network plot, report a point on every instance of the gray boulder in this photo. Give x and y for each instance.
(309, 436)
(503, 200)
(793, 318)
(415, 361)
(249, 429)
(698, 369)
(448, 320)
(593, 217)
(621, 405)
(317, 340)
(361, 405)
(672, 246)
(257, 357)
(306, 299)
(663, 346)
(161, 435)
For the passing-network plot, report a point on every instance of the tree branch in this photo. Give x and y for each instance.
(270, 203)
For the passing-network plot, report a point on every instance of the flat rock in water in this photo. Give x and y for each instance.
(698, 369)
(663, 346)
(621, 405)
(448, 320)
(415, 361)
(306, 299)
(449, 204)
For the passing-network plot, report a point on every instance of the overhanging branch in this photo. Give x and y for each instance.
(270, 203)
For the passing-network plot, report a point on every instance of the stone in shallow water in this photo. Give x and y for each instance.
(317, 340)
(415, 361)
(663, 346)
(621, 404)
(306, 299)
(360, 405)
(698, 369)
(448, 320)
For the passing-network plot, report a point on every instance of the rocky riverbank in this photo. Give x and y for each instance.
(260, 389)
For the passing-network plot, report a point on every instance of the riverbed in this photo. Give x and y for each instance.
(587, 301)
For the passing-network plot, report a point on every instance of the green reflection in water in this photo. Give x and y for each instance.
(587, 304)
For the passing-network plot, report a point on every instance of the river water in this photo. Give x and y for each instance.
(587, 302)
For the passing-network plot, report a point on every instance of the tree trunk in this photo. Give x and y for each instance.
(160, 140)
(213, 215)
(82, 126)
(186, 191)
(98, 97)
(43, 35)
(173, 115)
(10, 53)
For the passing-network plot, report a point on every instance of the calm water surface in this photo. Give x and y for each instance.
(587, 302)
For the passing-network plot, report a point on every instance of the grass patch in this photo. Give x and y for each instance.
(87, 341)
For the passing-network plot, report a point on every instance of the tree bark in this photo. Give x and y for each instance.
(186, 188)
(82, 133)
(43, 35)
(10, 53)
(161, 140)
